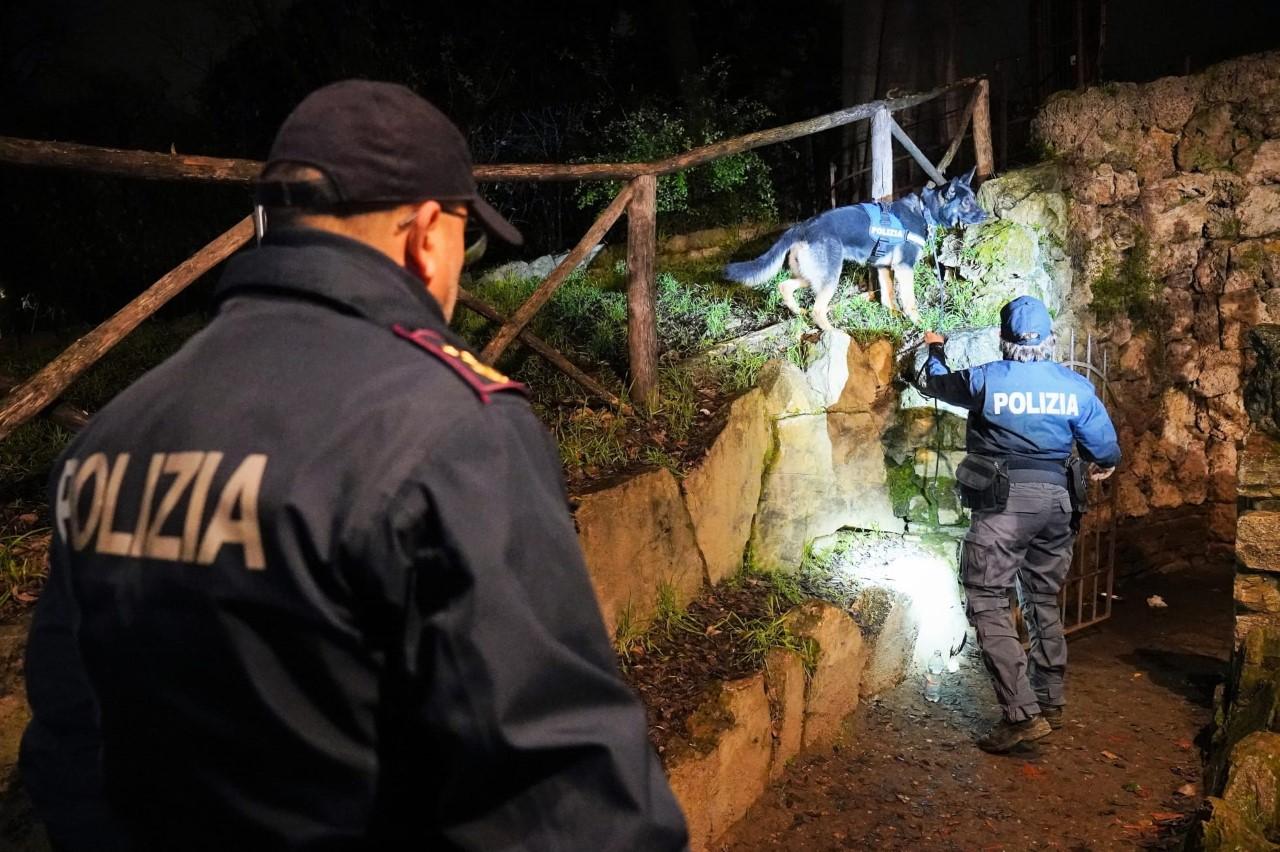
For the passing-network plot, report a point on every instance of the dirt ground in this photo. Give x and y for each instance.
(1140, 692)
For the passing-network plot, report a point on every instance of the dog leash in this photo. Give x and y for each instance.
(942, 315)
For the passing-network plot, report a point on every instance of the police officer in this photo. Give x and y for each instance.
(1025, 414)
(314, 581)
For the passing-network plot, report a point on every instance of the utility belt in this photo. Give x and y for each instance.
(983, 482)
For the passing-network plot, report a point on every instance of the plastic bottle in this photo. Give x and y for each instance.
(933, 677)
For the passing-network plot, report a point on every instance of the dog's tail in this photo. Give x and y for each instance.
(760, 271)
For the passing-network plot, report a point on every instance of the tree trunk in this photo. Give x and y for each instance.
(686, 68)
(954, 100)
(864, 26)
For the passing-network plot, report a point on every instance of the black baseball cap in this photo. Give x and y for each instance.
(376, 143)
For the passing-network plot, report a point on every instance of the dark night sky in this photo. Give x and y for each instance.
(528, 81)
(53, 49)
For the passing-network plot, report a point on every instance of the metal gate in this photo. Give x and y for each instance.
(1086, 595)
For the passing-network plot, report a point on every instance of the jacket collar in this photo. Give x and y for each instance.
(351, 276)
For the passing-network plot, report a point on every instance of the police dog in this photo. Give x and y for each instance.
(891, 237)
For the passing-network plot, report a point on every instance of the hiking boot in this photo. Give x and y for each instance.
(1006, 735)
(1052, 714)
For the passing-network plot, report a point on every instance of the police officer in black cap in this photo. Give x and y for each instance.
(314, 582)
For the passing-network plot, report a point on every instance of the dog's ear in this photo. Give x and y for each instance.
(950, 192)
(967, 180)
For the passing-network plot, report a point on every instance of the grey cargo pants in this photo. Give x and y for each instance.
(1030, 541)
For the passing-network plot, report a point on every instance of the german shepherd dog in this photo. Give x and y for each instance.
(891, 237)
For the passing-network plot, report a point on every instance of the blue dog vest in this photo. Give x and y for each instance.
(886, 229)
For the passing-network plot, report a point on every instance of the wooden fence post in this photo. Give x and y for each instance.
(982, 129)
(33, 395)
(881, 155)
(642, 326)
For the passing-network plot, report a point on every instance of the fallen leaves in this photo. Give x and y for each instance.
(1031, 771)
(1111, 755)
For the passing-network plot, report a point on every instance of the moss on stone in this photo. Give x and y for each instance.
(942, 544)
(1250, 702)
(1128, 290)
(903, 485)
(1004, 247)
(1253, 788)
(1227, 830)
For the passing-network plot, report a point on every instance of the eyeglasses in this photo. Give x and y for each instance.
(473, 235)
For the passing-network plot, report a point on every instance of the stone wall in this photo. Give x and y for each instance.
(1174, 216)
(1243, 769)
(800, 457)
(746, 731)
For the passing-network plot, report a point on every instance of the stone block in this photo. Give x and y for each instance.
(1259, 475)
(1258, 540)
(1168, 102)
(1259, 212)
(1155, 155)
(1207, 139)
(637, 537)
(1258, 594)
(828, 472)
(869, 376)
(1228, 830)
(1262, 389)
(835, 686)
(1222, 522)
(1221, 373)
(890, 650)
(1253, 782)
(717, 786)
(723, 490)
(785, 683)
(828, 371)
(1131, 502)
(786, 391)
(1221, 471)
(964, 349)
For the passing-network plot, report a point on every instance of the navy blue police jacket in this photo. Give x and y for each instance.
(1036, 410)
(315, 585)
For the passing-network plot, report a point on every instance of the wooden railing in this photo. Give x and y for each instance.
(637, 198)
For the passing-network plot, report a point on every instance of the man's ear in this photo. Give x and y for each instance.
(417, 257)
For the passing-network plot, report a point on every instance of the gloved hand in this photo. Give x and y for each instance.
(1097, 474)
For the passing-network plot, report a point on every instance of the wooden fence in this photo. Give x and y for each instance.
(637, 198)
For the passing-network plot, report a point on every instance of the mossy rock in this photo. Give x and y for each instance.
(1003, 247)
(903, 487)
(1253, 786)
(1250, 702)
(1262, 387)
(1207, 140)
(1227, 830)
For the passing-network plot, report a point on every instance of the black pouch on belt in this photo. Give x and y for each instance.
(1078, 484)
(983, 484)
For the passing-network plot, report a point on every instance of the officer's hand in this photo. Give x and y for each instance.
(1100, 473)
(932, 337)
